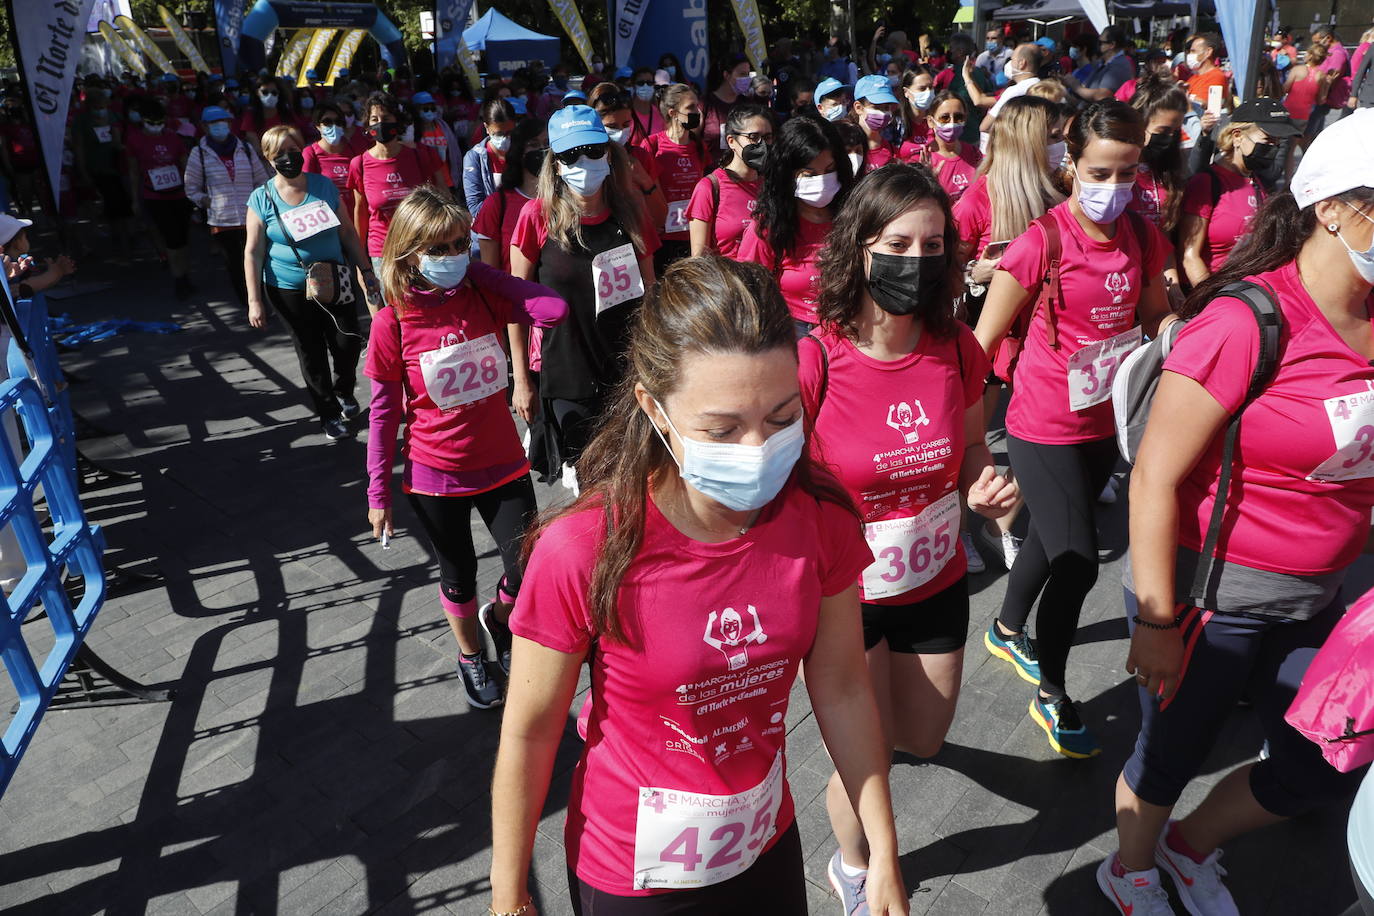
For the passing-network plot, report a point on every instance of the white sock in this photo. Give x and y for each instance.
(848, 870)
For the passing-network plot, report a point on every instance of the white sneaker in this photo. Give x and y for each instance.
(1006, 546)
(1108, 494)
(570, 480)
(975, 559)
(1136, 893)
(1198, 883)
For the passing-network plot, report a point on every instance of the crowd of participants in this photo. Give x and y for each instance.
(758, 329)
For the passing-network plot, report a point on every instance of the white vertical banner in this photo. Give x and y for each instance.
(629, 15)
(48, 39)
(1096, 11)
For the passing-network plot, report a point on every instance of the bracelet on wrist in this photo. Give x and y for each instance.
(1151, 625)
(518, 911)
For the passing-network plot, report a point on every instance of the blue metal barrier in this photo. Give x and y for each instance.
(33, 321)
(70, 549)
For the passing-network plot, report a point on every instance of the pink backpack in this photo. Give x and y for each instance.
(1334, 707)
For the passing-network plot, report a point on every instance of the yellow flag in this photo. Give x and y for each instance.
(568, 15)
(295, 50)
(132, 59)
(343, 54)
(747, 12)
(314, 51)
(183, 41)
(469, 65)
(145, 44)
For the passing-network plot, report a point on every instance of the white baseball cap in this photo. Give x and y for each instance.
(10, 226)
(1337, 161)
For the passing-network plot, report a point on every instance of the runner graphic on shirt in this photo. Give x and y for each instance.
(1118, 285)
(733, 644)
(901, 418)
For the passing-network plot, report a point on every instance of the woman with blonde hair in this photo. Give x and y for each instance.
(436, 362)
(295, 220)
(708, 551)
(586, 237)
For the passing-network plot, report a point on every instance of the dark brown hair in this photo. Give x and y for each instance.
(1156, 92)
(1106, 120)
(701, 305)
(880, 197)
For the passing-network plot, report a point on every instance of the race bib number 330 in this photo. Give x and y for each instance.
(686, 839)
(309, 220)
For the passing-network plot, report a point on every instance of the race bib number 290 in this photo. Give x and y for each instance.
(686, 839)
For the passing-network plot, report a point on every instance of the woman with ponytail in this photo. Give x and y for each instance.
(699, 496)
(1295, 516)
(723, 202)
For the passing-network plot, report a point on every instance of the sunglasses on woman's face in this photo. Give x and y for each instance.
(461, 246)
(644, 82)
(591, 151)
(428, 108)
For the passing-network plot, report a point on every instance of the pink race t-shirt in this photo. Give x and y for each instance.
(1101, 283)
(893, 433)
(158, 157)
(532, 231)
(737, 202)
(333, 166)
(1302, 483)
(691, 715)
(799, 273)
(466, 436)
(1151, 197)
(879, 156)
(384, 183)
(680, 167)
(957, 173)
(1227, 222)
(973, 216)
(497, 222)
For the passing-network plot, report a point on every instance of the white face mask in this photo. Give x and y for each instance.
(818, 190)
(621, 136)
(833, 113)
(500, 144)
(921, 98)
(586, 176)
(1192, 61)
(856, 162)
(1363, 260)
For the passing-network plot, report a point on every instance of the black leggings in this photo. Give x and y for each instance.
(231, 242)
(776, 883)
(576, 424)
(319, 339)
(447, 521)
(1058, 559)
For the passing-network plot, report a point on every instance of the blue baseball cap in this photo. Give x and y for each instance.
(311, 75)
(1045, 42)
(518, 103)
(574, 95)
(231, 84)
(170, 78)
(343, 72)
(576, 125)
(875, 90)
(828, 86)
(624, 73)
(215, 113)
(422, 98)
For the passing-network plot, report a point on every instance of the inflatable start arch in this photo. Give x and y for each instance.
(269, 15)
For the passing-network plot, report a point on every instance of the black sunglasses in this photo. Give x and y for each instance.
(428, 108)
(644, 82)
(462, 246)
(591, 151)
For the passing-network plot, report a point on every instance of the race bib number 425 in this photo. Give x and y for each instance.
(1352, 427)
(686, 839)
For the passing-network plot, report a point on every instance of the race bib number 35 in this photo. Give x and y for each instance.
(464, 372)
(616, 277)
(1092, 368)
(1352, 427)
(911, 551)
(309, 220)
(685, 839)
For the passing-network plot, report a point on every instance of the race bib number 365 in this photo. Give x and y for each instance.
(464, 372)
(911, 551)
(1352, 427)
(686, 839)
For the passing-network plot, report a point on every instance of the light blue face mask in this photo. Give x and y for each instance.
(587, 176)
(218, 131)
(445, 271)
(1363, 260)
(621, 136)
(332, 134)
(739, 477)
(834, 113)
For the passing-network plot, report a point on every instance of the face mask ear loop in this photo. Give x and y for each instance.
(663, 438)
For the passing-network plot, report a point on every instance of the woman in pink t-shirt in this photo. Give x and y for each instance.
(437, 361)
(698, 498)
(330, 155)
(805, 179)
(1296, 515)
(680, 156)
(917, 93)
(1109, 288)
(952, 160)
(723, 202)
(893, 384)
(874, 109)
(613, 105)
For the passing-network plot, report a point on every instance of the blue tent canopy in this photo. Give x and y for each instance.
(509, 46)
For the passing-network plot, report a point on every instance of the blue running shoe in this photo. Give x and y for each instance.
(1067, 733)
(1016, 649)
(850, 890)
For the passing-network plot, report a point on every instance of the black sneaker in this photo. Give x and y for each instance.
(497, 633)
(336, 429)
(482, 691)
(350, 406)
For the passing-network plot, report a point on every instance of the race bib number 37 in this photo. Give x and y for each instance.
(911, 551)
(1352, 427)
(464, 372)
(1092, 368)
(686, 839)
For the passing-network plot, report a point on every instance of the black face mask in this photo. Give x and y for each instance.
(755, 155)
(1158, 146)
(903, 285)
(386, 131)
(533, 161)
(693, 121)
(1261, 158)
(289, 165)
